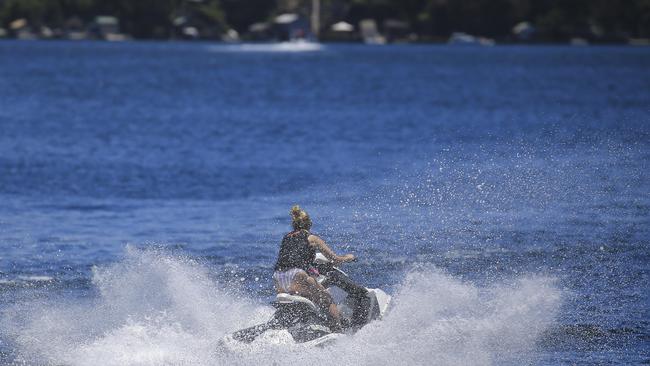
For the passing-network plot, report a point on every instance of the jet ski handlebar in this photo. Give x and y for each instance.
(322, 259)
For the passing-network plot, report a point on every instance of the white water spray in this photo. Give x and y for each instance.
(157, 309)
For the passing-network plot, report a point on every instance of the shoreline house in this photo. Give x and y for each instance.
(284, 28)
(106, 27)
(291, 27)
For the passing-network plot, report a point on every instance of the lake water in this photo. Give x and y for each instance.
(501, 195)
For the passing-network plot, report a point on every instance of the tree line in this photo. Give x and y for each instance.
(553, 20)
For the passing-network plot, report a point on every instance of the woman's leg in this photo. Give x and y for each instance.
(307, 286)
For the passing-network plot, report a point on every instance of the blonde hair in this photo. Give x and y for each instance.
(300, 218)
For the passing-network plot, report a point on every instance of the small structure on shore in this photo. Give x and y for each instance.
(344, 27)
(107, 28)
(260, 31)
(370, 33)
(464, 39)
(184, 28)
(20, 29)
(396, 30)
(285, 27)
(75, 29)
(291, 26)
(193, 24)
(341, 31)
(524, 31)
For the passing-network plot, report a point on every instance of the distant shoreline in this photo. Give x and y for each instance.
(632, 43)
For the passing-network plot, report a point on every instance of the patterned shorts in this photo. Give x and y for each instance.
(283, 280)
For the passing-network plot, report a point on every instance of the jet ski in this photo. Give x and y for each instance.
(307, 324)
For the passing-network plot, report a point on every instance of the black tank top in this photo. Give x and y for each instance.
(295, 251)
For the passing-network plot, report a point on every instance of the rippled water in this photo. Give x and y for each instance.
(499, 194)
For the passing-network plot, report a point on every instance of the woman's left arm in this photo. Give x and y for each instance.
(322, 247)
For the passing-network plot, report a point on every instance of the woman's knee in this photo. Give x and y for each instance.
(312, 282)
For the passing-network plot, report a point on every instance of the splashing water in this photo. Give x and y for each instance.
(153, 308)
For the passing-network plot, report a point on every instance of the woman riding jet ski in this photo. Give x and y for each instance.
(294, 271)
(315, 299)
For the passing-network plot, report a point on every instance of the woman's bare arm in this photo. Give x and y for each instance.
(322, 247)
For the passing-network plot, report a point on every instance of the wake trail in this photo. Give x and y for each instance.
(154, 308)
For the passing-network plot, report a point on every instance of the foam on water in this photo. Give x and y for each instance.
(35, 278)
(153, 308)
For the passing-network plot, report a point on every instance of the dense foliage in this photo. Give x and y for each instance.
(555, 20)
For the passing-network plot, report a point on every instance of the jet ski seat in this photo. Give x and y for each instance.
(284, 298)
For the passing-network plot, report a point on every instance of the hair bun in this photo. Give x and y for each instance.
(295, 211)
(299, 218)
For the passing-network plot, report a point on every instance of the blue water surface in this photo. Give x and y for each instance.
(488, 163)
